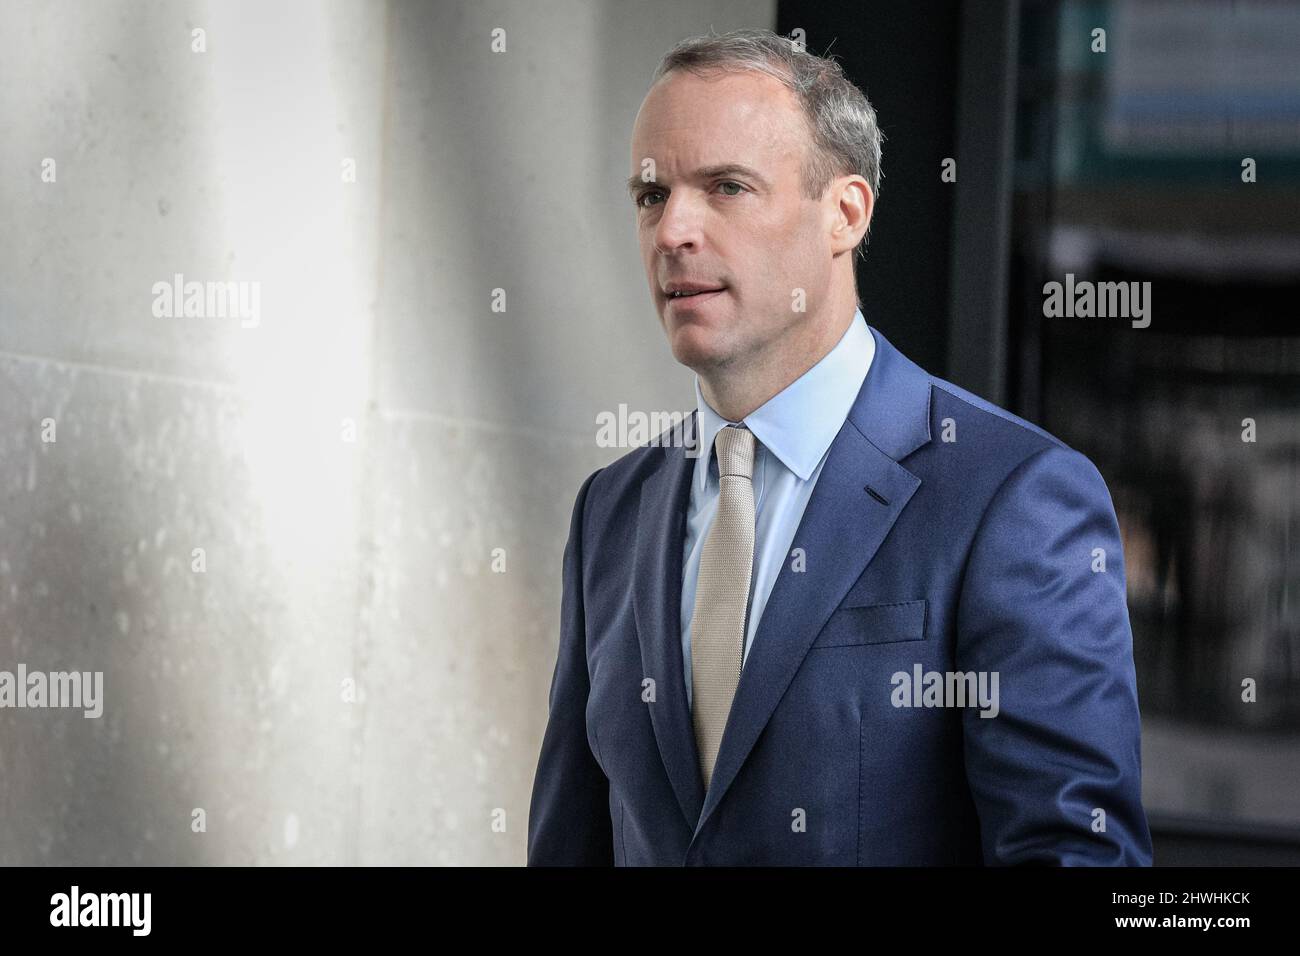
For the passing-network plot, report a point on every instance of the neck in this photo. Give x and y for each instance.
(734, 390)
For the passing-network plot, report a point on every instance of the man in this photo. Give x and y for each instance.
(876, 620)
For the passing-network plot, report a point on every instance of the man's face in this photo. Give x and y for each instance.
(746, 231)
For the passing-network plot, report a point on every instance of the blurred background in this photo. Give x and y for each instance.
(299, 541)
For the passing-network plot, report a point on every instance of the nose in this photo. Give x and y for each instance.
(680, 224)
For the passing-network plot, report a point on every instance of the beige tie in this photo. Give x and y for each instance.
(722, 596)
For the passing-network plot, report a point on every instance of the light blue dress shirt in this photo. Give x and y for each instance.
(794, 430)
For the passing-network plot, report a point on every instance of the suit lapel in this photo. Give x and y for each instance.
(660, 538)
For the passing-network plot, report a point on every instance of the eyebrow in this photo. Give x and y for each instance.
(635, 183)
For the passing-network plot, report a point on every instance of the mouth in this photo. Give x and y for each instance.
(692, 298)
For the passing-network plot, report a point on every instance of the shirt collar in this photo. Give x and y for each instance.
(799, 423)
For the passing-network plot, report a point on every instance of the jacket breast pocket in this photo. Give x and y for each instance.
(874, 624)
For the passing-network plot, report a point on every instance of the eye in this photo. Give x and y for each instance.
(643, 204)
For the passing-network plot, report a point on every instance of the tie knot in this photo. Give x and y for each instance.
(735, 448)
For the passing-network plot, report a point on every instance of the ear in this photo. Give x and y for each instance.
(853, 204)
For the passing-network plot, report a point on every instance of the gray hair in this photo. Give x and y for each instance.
(846, 139)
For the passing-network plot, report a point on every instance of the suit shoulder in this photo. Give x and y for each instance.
(986, 443)
(613, 492)
(629, 470)
(995, 428)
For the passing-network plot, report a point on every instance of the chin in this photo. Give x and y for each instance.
(698, 348)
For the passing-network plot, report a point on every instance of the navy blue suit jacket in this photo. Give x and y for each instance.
(943, 532)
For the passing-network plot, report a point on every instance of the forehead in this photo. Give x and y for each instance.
(728, 117)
